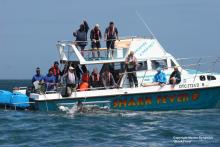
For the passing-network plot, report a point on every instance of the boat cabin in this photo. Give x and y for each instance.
(148, 51)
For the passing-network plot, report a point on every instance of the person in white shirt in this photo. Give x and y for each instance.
(70, 81)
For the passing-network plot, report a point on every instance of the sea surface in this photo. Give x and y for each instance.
(168, 128)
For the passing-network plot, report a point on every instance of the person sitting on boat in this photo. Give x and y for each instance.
(175, 77)
(95, 36)
(131, 66)
(108, 79)
(95, 79)
(81, 36)
(56, 71)
(50, 81)
(37, 80)
(160, 77)
(70, 81)
(78, 73)
(84, 85)
(111, 34)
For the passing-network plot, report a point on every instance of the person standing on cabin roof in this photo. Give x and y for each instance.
(56, 71)
(81, 36)
(108, 79)
(175, 77)
(160, 77)
(95, 79)
(111, 34)
(131, 66)
(95, 36)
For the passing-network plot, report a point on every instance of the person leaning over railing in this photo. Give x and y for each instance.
(95, 36)
(81, 36)
(111, 34)
(131, 66)
(95, 79)
(108, 79)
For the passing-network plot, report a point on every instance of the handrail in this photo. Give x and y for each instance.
(120, 39)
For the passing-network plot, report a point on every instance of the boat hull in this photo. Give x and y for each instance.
(158, 101)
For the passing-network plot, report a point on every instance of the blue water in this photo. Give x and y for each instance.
(28, 128)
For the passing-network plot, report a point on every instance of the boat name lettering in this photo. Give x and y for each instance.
(143, 48)
(157, 100)
(195, 85)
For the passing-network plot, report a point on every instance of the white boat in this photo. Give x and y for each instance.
(197, 90)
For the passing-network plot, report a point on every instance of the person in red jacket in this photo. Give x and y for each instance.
(56, 71)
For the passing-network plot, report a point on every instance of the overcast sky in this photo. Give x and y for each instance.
(29, 29)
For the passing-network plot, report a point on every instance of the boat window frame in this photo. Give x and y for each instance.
(163, 66)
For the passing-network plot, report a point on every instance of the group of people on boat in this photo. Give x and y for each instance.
(110, 36)
(74, 77)
(80, 79)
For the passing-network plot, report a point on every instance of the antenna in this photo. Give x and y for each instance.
(145, 24)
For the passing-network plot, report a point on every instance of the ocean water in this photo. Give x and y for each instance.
(168, 128)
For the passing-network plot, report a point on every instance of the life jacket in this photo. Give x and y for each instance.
(85, 77)
(96, 34)
(83, 86)
(56, 71)
(95, 77)
(111, 33)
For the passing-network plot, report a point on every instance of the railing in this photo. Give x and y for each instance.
(120, 51)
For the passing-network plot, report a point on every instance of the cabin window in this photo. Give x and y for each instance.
(210, 77)
(158, 63)
(142, 65)
(202, 78)
(172, 64)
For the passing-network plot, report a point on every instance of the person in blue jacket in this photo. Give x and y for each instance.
(160, 77)
(37, 80)
(81, 36)
(38, 76)
(50, 81)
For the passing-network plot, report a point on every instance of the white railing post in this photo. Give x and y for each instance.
(198, 64)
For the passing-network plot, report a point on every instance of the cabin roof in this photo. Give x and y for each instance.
(144, 48)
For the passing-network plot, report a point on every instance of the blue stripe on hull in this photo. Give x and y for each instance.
(172, 100)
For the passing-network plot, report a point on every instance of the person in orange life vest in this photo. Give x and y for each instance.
(108, 79)
(95, 36)
(85, 74)
(111, 34)
(95, 78)
(84, 85)
(81, 36)
(56, 71)
(131, 66)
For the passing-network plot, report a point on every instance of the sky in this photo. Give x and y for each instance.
(30, 29)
